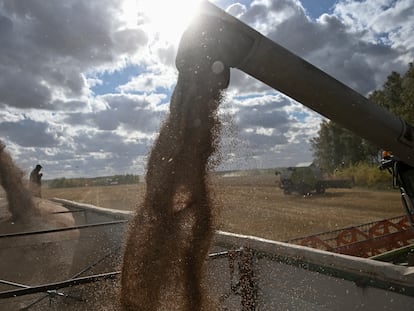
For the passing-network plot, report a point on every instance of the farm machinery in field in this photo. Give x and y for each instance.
(290, 276)
(238, 46)
(229, 43)
(307, 179)
(402, 179)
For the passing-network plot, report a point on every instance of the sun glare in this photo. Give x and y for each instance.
(165, 19)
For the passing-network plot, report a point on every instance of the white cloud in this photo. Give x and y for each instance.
(55, 54)
(151, 81)
(28, 133)
(48, 46)
(333, 43)
(383, 21)
(236, 9)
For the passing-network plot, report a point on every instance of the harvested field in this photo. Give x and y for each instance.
(254, 205)
(250, 205)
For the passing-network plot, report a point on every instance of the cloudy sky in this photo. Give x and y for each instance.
(84, 85)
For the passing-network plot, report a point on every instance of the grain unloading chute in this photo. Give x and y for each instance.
(290, 276)
(237, 45)
(219, 41)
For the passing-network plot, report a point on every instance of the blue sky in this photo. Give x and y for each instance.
(318, 7)
(85, 85)
(109, 81)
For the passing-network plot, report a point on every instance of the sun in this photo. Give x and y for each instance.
(162, 18)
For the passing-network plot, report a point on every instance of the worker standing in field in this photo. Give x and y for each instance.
(35, 182)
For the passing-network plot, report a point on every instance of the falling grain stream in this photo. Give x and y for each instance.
(19, 198)
(170, 235)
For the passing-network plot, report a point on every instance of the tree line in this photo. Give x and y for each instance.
(97, 181)
(336, 147)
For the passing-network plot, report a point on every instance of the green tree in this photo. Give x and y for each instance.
(57, 183)
(407, 94)
(397, 94)
(335, 146)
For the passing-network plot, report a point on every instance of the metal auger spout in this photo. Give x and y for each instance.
(224, 41)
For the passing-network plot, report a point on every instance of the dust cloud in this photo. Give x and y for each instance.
(170, 235)
(20, 203)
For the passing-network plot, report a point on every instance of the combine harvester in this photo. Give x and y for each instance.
(245, 272)
(306, 179)
(376, 240)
